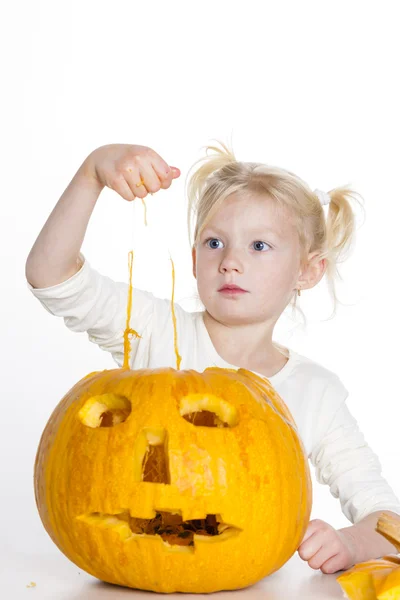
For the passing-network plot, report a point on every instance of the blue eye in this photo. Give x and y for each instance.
(259, 242)
(212, 240)
(212, 243)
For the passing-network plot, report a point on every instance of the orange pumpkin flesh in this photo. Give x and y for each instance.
(389, 588)
(359, 582)
(389, 526)
(173, 481)
(377, 579)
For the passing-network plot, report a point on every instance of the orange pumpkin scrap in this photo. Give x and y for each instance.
(377, 579)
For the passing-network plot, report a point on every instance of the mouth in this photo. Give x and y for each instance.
(232, 290)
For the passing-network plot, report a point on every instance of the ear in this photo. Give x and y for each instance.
(312, 273)
(194, 261)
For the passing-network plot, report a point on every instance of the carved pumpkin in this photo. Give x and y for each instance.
(174, 480)
(377, 579)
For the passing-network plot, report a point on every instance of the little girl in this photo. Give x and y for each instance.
(260, 238)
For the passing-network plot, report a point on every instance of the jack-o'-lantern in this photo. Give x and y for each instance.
(174, 480)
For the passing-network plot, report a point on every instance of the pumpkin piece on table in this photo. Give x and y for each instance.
(359, 582)
(389, 526)
(389, 587)
(377, 579)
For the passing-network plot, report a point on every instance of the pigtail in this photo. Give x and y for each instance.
(340, 235)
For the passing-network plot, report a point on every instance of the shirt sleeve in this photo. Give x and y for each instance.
(344, 461)
(94, 303)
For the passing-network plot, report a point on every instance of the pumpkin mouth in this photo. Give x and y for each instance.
(169, 526)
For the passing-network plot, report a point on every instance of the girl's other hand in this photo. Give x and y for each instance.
(325, 548)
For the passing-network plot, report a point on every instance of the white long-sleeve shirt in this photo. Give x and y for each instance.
(92, 302)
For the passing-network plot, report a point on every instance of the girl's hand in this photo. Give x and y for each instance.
(131, 170)
(326, 548)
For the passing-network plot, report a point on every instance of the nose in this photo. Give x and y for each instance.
(231, 262)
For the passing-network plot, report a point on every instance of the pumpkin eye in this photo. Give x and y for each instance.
(207, 410)
(105, 410)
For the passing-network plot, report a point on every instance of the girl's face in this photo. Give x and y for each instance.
(250, 242)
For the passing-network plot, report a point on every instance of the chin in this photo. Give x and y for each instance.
(230, 317)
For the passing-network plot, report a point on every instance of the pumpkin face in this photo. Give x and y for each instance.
(169, 480)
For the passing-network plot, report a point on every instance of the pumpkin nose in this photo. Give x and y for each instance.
(151, 461)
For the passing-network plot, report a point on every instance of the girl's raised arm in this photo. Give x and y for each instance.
(131, 170)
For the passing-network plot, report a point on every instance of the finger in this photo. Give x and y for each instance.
(311, 546)
(334, 564)
(313, 526)
(121, 186)
(310, 531)
(149, 176)
(141, 178)
(176, 172)
(131, 176)
(325, 553)
(165, 173)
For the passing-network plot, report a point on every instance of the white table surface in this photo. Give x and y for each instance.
(57, 578)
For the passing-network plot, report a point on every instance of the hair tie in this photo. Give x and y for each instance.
(323, 197)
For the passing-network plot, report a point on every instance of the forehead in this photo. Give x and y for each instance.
(252, 212)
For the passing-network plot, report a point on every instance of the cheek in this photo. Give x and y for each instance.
(203, 281)
(279, 275)
(206, 280)
(206, 267)
(274, 277)
(283, 268)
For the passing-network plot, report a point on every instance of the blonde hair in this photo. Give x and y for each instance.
(221, 175)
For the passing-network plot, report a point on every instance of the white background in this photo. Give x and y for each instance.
(308, 86)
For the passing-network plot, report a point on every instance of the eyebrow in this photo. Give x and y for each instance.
(256, 231)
